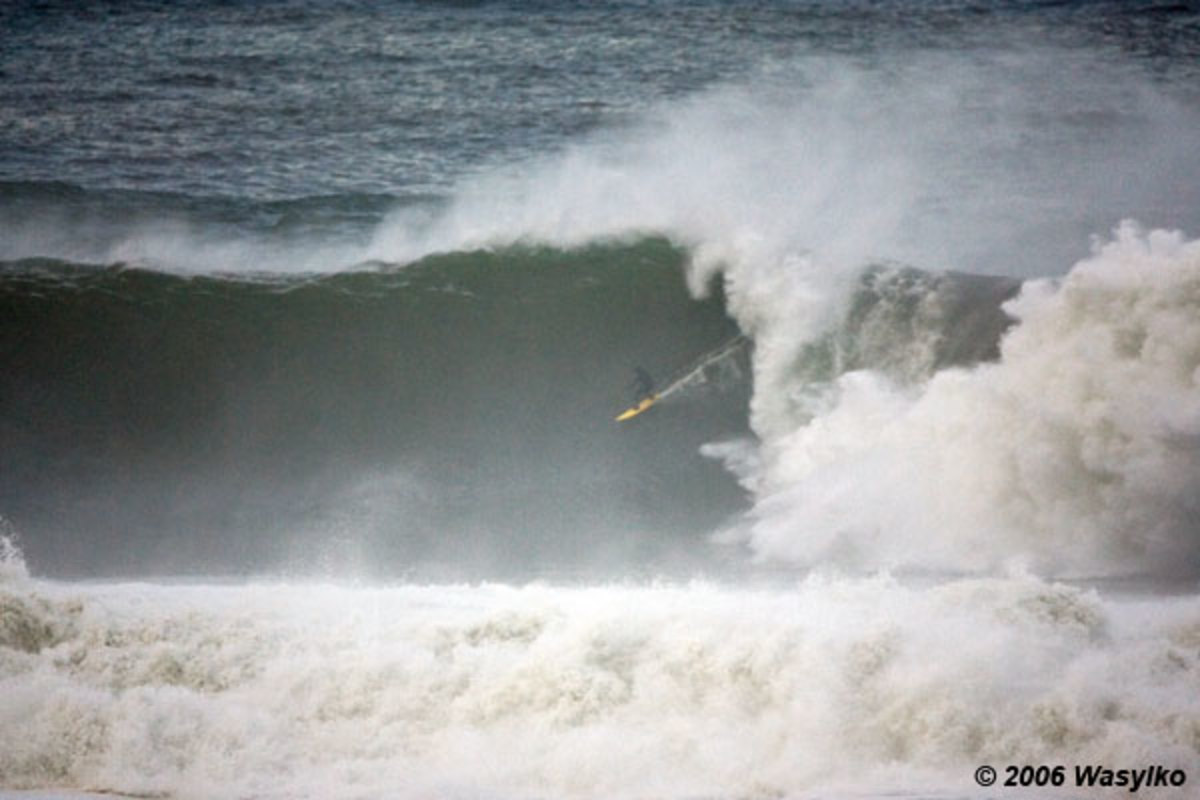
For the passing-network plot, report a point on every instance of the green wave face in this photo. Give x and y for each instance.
(456, 411)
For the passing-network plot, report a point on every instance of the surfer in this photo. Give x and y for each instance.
(642, 385)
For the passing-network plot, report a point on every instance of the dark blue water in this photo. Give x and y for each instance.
(276, 100)
(271, 100)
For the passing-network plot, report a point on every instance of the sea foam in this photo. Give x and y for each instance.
(672, 690)
(1076, 453)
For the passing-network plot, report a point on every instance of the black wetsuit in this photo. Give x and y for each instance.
(643, 385)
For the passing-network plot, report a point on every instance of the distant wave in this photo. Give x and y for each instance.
(180, 233)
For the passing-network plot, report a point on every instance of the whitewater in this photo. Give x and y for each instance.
(829, 687)
(309, 483)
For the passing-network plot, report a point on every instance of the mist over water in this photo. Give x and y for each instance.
(1001, 161)
(314, 320)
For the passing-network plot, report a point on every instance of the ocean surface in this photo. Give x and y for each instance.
(315, 318)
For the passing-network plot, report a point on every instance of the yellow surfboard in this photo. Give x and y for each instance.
(630, 413)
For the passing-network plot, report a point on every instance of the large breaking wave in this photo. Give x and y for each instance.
(424, 394)
(1075, 454)
(453, 367)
